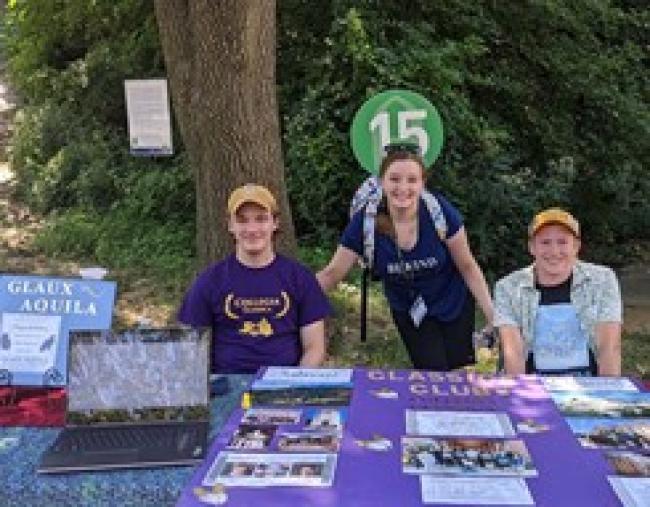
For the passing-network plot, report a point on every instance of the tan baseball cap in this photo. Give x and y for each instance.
(250, 192)
(555, 216)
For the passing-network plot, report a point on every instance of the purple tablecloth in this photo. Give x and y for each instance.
(568, 475)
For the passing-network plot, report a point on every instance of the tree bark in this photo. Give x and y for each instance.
(220, 59)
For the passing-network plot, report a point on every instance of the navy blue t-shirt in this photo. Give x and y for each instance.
(427, 269)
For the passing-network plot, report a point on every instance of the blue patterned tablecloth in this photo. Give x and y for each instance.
(21, 449)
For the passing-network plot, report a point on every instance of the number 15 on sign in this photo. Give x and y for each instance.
(395, 116)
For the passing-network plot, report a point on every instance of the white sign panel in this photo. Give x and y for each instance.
(147, 106)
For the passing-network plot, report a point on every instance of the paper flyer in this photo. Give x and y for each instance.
(441, 423)
(28, 343)
(631, 491)
(475, 491)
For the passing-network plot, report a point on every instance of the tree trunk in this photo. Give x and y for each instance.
(220, 59)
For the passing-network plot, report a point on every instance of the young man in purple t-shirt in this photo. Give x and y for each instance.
(264, 309)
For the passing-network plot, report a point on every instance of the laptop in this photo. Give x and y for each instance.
(138, 398)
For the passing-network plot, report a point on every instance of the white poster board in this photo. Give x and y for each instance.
(29, 342)
(147, 106)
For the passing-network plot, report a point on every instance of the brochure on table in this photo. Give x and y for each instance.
(305, 377)
(475, 491)
(36, 316)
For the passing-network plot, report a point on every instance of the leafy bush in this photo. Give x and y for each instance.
(124, 239)
(543, 103)
(70, 149)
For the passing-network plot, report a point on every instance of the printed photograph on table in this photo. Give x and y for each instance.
(629, 463)
(252, 437)
(282, 396)
(309, 442)
(466, 457)
(612, 433)
(235, 469)
(599, 404)
(325, 419)
(274, 416)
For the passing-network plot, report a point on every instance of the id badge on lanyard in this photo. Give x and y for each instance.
(418, 311)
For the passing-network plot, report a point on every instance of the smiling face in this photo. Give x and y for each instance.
(253, 227)
(403, 182)
(555, 250)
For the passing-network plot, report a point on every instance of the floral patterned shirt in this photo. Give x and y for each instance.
(595, 294)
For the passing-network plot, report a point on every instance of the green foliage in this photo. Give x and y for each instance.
(63, 162)
(636, 354)
(123, 241)
(69, 60)
(544, 103)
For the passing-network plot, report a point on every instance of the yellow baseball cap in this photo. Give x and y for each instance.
(555, 216)
(250, 192)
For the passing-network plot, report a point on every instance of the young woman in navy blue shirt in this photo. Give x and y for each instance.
(431, 279)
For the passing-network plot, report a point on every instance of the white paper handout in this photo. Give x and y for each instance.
(632, 491)
(307, 376)
(28, 343)
(236, 469)
(458, 424)
(475, 491)
(564, 383)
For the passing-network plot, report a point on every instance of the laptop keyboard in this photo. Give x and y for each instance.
(106, 439)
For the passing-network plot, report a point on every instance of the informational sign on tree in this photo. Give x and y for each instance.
(395, 116)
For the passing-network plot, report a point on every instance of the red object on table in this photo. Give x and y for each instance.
(32, 406)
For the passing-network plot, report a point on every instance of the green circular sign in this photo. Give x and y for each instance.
(395, 116)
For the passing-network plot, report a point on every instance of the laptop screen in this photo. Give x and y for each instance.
(141, 375)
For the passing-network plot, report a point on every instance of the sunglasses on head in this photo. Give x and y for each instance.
(403, 147)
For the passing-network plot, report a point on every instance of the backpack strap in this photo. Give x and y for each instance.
(368, 197)
(435, 211)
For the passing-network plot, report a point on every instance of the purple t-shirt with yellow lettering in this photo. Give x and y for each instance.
(255, 313)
